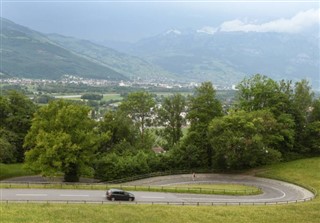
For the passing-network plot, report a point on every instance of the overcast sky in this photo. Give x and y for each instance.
(133, 20)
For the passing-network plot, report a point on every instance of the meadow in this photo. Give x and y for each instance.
(13, 170)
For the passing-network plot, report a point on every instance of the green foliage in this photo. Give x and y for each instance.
(170, 117)
(290, 104)
(13, 170)
(312, 138)
(302, 102)
(188, 155)
(125, 153)
(92, 97)
(272, 121)
(242, 139)
(8, 148)
(112, 166)
(138, 105)
(121, 128)
(146, 142)
(61, 139)
(303, 97)
(16, 112)
(43, 99)
(7, 151)
(315, 112)
(261, 92)
(203, 107)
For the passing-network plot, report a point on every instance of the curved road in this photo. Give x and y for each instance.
(273, 191)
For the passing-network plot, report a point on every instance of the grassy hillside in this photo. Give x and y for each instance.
(13, 170)
(304, 172)
(30, 54)
(130, 66)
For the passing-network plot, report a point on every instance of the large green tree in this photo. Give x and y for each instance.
(170, 117)
(315, 110)
(139, 106)
(61, 140)
(302, 106)
(120, 127)
(244, 139)
(203, 107)
(290, 103)
(311, 134)
(260, 92)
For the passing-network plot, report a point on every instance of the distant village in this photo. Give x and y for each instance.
(140, 83)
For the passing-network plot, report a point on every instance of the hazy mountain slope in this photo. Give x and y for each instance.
(223, 58)
(130, 66)
(27, 53)
(226, 57)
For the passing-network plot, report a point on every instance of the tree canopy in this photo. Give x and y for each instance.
(203, 107)
(290, 103)
(170, 117)
(244, 139)
(139, 105)
(16, 112)
(269, 121)
(61, 140)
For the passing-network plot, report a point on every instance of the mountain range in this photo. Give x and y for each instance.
(224, 58)
(31, 54)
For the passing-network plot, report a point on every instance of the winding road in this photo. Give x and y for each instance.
(274, 191)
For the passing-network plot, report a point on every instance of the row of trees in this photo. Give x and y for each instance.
(269, 121)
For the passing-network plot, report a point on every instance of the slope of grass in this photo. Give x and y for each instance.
(304, 172)
(13, 170)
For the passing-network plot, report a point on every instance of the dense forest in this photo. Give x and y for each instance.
(268, 122)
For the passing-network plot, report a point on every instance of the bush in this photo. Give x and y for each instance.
(112, 166)
(96, 97)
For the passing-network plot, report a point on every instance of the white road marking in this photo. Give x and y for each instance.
(35, 195)
(149, 197)
(74, 195)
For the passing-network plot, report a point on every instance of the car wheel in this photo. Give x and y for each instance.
(130, 199)
(113, 199)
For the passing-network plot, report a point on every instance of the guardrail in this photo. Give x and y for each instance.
(157, 203)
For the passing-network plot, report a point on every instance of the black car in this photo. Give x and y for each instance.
(117, 194)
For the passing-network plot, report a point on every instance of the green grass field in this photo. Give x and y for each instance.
(303, 172)
(13, 170)
(106, 97)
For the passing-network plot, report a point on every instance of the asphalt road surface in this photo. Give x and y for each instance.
(273, 191)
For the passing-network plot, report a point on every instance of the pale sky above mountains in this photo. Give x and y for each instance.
(133, 20)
